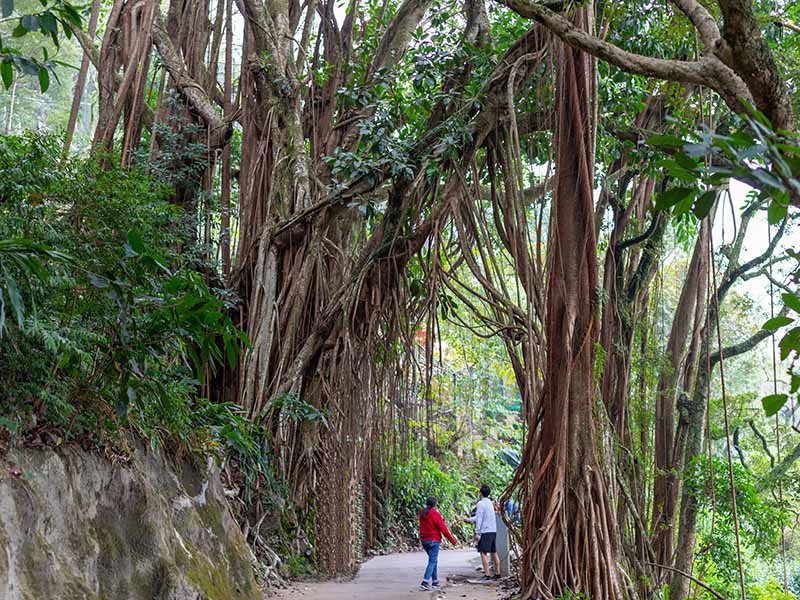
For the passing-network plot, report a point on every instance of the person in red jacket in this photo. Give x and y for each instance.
(431, 529)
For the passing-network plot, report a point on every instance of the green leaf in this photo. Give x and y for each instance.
(70, 14)
(664, 141)
(44, 79)
(15, 297)
(684, 161)
(704, 203)
(790, 343)
(776, 212)
(684, 206)
(795, 385)
(48, 22)
(672, 196)
(19, 30)
(791, 301)
(7, 72)
(776, 323)
(135, 242)
(8, 8)
(773, 403)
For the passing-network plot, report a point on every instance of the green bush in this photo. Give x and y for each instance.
(760, 517)
(412, 482)
(115, 330)
(769, 590)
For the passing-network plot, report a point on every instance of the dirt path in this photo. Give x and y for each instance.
(396, 577)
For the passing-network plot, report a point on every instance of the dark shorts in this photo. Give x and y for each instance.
(488, 543)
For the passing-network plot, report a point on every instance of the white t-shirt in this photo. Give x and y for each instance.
(484, 519)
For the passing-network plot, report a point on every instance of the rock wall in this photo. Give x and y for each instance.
(75, 526)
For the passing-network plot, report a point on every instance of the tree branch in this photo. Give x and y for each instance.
(787, 24)
(745, 345)
(755, 63)
(739, 448)
(737, 272)
(705, 24)
(197, 96)
(781, 469)
(709, 71)
(395, 38)
(764, 444)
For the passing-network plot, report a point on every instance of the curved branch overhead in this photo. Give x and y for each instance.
(739, 66)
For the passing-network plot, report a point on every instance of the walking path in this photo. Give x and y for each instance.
(396, 577)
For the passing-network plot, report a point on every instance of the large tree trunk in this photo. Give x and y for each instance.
(570, 525)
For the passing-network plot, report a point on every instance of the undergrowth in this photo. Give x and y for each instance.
(109, 326)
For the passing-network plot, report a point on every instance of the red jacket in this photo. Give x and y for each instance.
(431, 527)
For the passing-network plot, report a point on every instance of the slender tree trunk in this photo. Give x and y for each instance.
(10, 107)
(697, 406)
(225, 234)
(666, 484)
(81, 81)
(690, 503)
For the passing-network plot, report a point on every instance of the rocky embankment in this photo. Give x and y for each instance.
(74, 525)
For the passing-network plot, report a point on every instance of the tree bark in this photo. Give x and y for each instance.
(80, 83)
(570, 540)
(665, 485)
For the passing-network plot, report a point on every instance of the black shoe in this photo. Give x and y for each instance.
(425, 587)
(436, 585)
(496, 577)
(486, 578)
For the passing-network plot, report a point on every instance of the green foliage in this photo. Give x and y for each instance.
(751, 150)
(769, 590)
(20, 259)
(413, 481)
(125, 331)
(453, 480)
(761, 520)
(292, 408)
(49, 19)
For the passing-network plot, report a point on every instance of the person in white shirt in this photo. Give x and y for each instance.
(486, 533)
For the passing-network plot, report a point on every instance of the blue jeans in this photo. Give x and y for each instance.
(432, 549)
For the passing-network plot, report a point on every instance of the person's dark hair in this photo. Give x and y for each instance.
(429, 504)
(485, 491)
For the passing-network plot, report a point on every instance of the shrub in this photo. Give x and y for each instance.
(119, 331)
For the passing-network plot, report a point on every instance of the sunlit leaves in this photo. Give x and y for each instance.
(756, 154)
